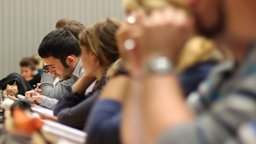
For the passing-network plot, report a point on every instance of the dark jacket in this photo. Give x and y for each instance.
(193, 76)
(73, 109)
(103, 125)
(22, 84)
(36, 79)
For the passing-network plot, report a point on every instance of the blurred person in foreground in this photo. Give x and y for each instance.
(194, 64)
(154, 110)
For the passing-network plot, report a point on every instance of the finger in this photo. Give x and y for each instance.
(125, 35)
(156, 18)
(27, 94)
(29, 99)
(134, 18)
(39, 91)
(34, 98)
(169, 15)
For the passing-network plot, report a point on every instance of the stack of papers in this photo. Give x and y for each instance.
(64, 132)
(42, 110)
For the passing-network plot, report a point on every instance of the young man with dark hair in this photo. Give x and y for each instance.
(61, 53)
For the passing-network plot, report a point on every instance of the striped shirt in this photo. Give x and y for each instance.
(224, 105)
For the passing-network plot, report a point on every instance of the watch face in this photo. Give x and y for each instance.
(160, 65)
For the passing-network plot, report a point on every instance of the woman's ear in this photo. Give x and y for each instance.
(93, 58)
(71, 60)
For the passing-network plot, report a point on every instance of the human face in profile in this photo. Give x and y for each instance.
(57, 68)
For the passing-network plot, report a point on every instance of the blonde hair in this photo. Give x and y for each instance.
(199, 49)
(131, 5)
(113, 69)
(149, 5)
(100, 40)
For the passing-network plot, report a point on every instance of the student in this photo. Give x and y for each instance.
(61, 53)
(99, 51)
(29, 71)
(154, 111)
(73, 26)
(103, 125)
(26, 80)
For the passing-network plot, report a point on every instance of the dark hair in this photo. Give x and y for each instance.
(73, 26)
(22, 104)
(27, 62)
(101, 41)
(59, 44)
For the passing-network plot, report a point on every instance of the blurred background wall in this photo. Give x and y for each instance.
(24, 23)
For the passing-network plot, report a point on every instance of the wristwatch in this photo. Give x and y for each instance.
(46, 69)
(160, 65)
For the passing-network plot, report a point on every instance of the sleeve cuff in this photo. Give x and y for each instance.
(44, 99)
(48, 102)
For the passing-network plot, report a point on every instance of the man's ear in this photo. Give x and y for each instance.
(71, 60)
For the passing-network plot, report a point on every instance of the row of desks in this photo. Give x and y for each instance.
(51, 131)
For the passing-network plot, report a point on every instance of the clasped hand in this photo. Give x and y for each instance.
(163, 32)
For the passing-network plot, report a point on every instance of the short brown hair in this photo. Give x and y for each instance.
(37, 60)
(27, 62)
(73, 26)
(100, 40)
(149, 5)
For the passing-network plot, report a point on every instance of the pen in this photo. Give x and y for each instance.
(34, 93)
(37, 87)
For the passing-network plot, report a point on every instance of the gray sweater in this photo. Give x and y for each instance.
(50, 93)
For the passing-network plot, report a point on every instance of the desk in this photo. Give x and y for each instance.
(51, 130)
